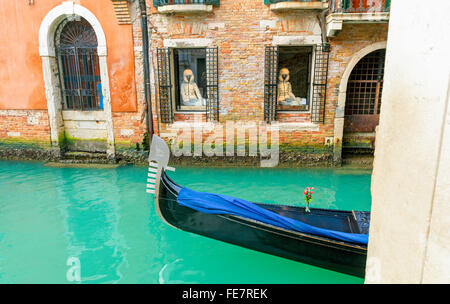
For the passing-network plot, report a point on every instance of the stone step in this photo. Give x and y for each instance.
(80, 165)
(85, 157)
(84, 161)
(82, 155)
(358, 160)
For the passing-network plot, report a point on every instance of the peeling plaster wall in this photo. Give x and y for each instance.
(22, 74)
(21, 77)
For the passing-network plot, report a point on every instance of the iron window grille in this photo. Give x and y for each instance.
(270, 83)
(165, 86)
(78, 66)
(319, 93)
(319, 84)
(212, 84)
(170, 98)
(365, 85)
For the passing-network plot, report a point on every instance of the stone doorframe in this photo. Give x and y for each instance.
(342, 93)
(50, 70)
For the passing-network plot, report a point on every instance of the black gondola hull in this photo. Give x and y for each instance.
(314, 250)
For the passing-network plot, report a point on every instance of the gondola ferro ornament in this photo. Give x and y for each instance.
(332, 239)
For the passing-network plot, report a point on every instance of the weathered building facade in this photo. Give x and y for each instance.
(69, 78)
(254, 40)
(311, 69)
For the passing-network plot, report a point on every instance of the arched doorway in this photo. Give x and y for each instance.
(363, 102)
(73, 49)
(80, 85)
(78, 66)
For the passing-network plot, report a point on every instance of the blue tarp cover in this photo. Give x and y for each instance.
(222, 204)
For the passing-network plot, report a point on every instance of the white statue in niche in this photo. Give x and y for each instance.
(285, 95)
(190, 93)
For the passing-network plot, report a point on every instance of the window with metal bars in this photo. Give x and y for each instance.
(319, 88)
(165, 86)
(307, 96)
(195, 86)
(190, 79)
(365, 85)
(294, 78)
(78, 65)
(270, 83)
(212, 84)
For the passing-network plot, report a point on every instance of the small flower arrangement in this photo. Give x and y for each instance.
(308, 197)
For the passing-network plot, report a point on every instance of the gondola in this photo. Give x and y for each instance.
(318, 249)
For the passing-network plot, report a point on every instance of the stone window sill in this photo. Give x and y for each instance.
(173, 128)
(185, 9)
(294, 111)
(296, 126)
(193, 112)
(359, 17)
(286, 6)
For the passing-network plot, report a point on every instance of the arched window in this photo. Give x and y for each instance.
(78, 65)
(363, 100)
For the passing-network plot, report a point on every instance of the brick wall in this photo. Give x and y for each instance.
(241, 30)
(27, 127)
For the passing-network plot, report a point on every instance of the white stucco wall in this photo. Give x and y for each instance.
(409, 238)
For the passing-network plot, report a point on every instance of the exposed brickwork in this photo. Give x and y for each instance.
(241, 30)
(26, 126)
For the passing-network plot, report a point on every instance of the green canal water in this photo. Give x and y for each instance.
(105, 218)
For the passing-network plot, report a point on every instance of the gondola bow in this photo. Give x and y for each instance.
(332, 239)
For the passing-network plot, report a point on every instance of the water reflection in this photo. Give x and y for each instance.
(92, 222)
(105, 218)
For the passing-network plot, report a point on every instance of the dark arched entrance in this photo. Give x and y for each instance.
(85, 126)
(363, 102)
(79, 71)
